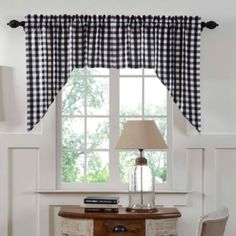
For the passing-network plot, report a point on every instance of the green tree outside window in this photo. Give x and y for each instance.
(80, 163)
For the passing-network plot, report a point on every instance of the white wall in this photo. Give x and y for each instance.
(203, 164)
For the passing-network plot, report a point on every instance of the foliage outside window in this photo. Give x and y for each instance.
(88, 125)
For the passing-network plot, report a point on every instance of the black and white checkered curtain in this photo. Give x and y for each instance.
(55, 45)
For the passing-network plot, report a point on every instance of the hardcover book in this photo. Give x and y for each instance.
(112, 210)
(94, 205)
(101, 200)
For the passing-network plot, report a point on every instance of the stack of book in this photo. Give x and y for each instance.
(101, 204)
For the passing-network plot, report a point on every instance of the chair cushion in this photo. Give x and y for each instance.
(214, 228)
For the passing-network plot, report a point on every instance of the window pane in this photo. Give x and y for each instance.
(98, 167)
(131, 96)
(97, 71)
(85, 130)
(157, 161)
(97, 133)
(155, 97)
(73, 94)
(97, 96)
(129, 71)
(73, 133)
(73, 164)
(150, 72)
(126, 164)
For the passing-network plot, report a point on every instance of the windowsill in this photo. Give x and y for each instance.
(71, 191)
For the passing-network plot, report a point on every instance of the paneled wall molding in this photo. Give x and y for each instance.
(197, 181)
(211, 141)
(4, 174)
(21, 140)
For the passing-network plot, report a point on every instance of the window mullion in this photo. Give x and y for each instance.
(114, 125)
(143, 94)
(59, 148)
(169, 140)
(85, 125)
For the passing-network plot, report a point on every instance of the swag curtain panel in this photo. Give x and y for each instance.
(55, 45)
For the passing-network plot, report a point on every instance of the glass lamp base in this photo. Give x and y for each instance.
(141, 210)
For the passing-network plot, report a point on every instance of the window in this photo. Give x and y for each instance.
(95, 104)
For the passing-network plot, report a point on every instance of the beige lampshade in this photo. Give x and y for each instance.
(141, 134)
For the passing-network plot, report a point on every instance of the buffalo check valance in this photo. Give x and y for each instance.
(55, 45)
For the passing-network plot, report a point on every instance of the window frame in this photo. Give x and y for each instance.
(113, 185)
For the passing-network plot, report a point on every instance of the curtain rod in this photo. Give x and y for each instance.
(208, 25)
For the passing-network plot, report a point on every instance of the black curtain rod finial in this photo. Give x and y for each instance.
(209, 25)
(15, 23)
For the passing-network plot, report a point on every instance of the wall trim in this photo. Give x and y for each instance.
(51, 191)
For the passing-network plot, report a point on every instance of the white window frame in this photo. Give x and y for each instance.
(113, 185)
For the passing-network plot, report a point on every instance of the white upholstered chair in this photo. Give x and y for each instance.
(213, 224)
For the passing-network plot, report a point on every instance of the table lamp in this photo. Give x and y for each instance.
(141, 134)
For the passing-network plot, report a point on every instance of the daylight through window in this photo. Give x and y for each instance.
(95, 104)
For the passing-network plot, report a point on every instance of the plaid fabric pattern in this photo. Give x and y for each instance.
(57, 44)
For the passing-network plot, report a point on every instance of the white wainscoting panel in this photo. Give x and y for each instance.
(202, 164)
(22, 201)
(225, 162)
(193, 210)
(209, 180)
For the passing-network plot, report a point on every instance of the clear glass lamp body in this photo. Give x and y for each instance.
(141, 188)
